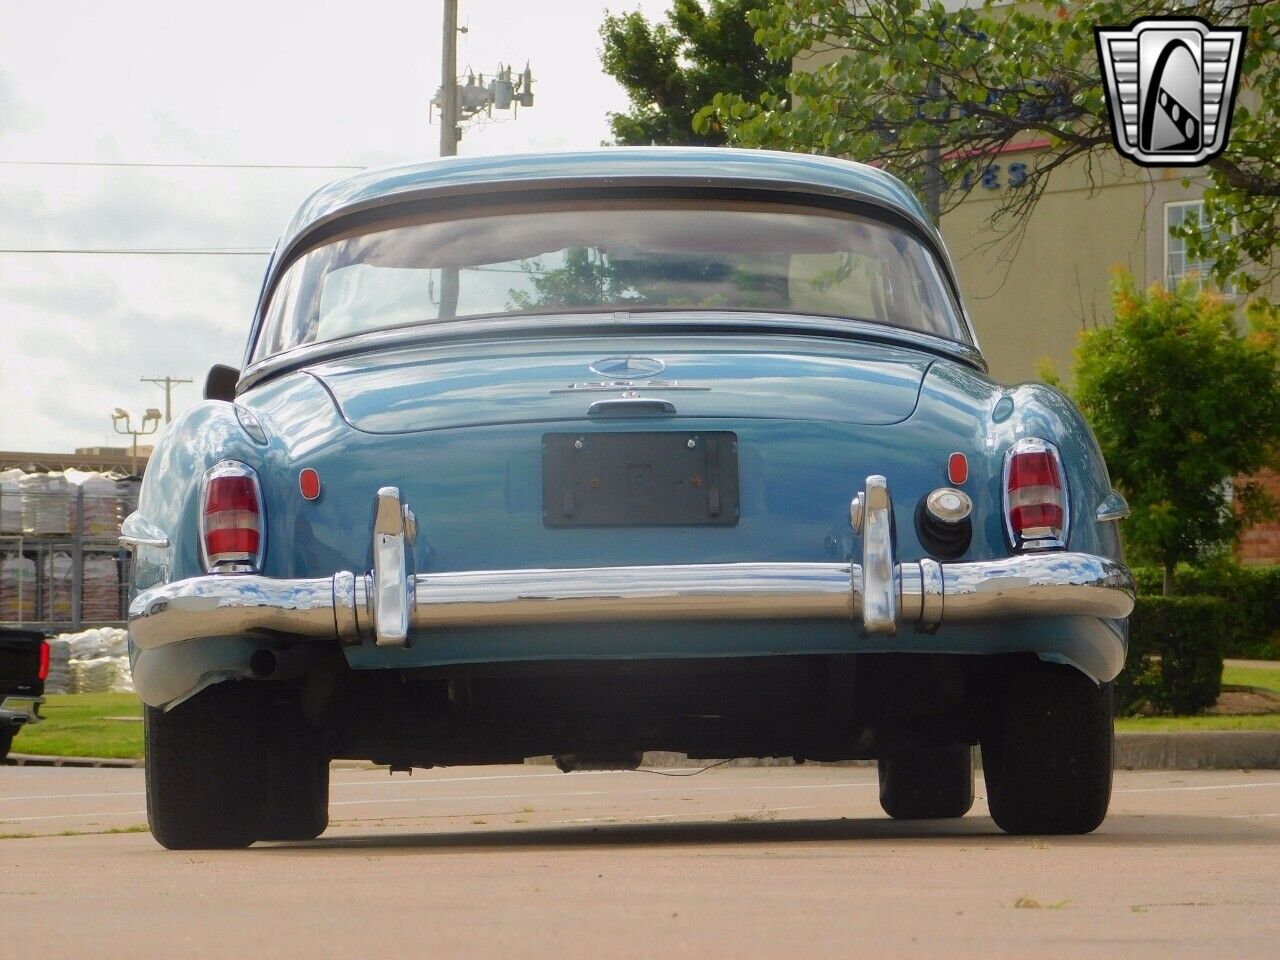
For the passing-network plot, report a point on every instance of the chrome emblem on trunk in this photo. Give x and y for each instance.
(627, 368)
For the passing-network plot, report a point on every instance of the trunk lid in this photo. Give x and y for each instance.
(435, 387)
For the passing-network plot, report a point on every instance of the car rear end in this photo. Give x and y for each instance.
(24, 666)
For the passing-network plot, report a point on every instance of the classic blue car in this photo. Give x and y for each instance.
(596, 453)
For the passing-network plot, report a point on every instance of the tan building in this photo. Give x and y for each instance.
(1033, 285)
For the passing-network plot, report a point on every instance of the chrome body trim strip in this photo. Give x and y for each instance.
(1113, 507)
(609, 323)
(137, 531)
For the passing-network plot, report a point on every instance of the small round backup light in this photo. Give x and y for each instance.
(957, 468)
(309, 483)
(949, 505)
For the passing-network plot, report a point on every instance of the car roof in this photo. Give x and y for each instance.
(709, 165)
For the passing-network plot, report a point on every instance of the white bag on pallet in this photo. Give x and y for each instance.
(10, 501)
(59, 679)
(45, 504)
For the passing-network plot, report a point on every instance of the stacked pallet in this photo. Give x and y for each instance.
(57, 578)
(17, 588)
(101, 599)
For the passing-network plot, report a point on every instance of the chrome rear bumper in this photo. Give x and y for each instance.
(20, 709)
(390, 603)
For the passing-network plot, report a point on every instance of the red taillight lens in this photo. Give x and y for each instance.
(44, 661)
(231, 528)
(1035, 496)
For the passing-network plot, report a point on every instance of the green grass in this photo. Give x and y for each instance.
(75, 725)
(1268, 679)
(1261, 721)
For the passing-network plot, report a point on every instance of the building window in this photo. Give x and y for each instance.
(1178, 264)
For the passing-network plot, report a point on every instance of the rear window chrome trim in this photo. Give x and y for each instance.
(366, 216)
(655, 322)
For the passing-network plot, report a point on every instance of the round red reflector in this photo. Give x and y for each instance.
(957, 468)
(309, 483)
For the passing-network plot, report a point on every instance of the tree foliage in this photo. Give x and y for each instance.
(1182, 403)
(889, 80)
(672, 69)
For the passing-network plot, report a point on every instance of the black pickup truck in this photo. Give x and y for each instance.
(24, 664)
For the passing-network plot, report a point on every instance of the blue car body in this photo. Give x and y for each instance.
(454, 416)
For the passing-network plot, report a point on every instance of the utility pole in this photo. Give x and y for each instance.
(168, 383)
(933, 162)
(449, 82)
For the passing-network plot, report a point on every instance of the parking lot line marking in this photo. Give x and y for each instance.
(73, 816)
(79, 796)
(1218, 786)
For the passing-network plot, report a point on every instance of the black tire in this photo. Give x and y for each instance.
(7, 733)
(206, 770)
(297, 798)
(932, 784)
(1046, 757)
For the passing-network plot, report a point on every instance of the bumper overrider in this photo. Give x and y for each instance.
(390, 603)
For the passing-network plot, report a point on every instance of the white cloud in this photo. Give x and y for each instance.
(298, 82)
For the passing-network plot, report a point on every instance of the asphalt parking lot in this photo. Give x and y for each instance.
(734, 862)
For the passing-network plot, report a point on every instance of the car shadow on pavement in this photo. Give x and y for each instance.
(1119, 830)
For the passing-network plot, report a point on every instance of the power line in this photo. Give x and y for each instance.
(182, 166)
(146, 252)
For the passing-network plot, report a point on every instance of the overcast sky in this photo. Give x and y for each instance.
(141, 81)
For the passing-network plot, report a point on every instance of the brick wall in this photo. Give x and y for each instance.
(1261, 544)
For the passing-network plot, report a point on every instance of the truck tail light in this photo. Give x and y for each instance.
(232, 535)
(1035, 496)
(43, 674)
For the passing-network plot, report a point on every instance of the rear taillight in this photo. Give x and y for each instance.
(1035, 496)
(44, 661)
(231, 526)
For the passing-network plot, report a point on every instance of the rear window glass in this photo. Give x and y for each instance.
(603, 256)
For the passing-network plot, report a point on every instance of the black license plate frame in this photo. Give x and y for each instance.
(668, 478)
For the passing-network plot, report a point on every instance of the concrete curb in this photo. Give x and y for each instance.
(39, 760)
(1184, 750)
(1199, 750)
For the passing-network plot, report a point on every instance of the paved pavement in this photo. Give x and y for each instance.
(735, 862)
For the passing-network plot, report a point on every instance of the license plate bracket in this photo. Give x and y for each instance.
(660, 479)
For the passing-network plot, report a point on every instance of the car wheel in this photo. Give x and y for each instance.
(297, 797)
(1046, 757)
(927, 784)
(6, 741)
(205, 770)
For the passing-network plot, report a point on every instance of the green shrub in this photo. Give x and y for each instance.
(1252, 598)
(1175, 656)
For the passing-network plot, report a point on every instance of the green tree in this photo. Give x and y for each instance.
(904, 81)
(1182, 403)
(671, 70)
